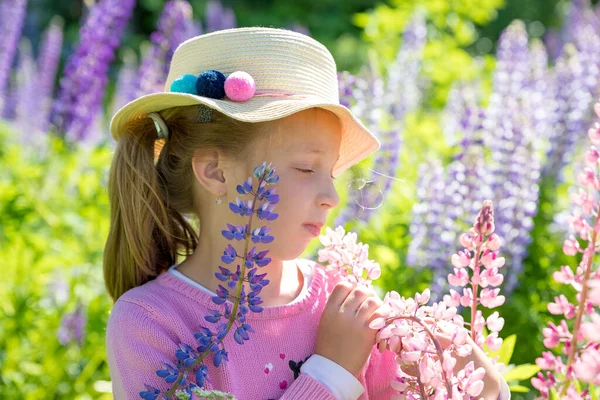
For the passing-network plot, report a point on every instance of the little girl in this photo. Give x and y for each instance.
(233, 99)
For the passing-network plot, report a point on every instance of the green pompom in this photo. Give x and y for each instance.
(185, 84)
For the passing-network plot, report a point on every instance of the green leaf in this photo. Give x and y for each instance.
(518, 389)
(521, 372)
(593, 392)
(506, 350)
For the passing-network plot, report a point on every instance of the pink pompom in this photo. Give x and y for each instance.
(240, 86)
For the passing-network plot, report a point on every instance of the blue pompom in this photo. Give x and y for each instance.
(185, 84)
(211, 84)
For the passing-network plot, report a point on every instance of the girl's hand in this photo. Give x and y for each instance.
(344, 335)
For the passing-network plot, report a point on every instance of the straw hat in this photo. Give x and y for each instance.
(291, 71)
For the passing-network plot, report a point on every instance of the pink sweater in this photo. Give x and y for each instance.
(148, 323)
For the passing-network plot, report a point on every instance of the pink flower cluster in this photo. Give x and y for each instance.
(580, 345)
(346, 258)
(476, 268)
(427, 339)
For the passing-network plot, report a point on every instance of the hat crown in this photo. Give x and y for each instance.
(278, 59)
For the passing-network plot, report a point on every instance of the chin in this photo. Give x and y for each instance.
(291, 251)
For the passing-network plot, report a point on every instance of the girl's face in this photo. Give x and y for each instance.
(303, 152)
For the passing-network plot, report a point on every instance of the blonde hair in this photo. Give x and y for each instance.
(148, 203)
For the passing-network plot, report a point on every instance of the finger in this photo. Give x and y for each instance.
(368, 306)
(355, 299)
(382, 311)
(340, 292)
(381, 346)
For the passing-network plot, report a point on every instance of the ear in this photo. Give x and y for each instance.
(209, 169)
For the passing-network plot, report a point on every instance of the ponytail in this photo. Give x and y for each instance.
(145, 230)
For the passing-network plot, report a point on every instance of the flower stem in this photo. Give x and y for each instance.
(475, 289)
(580, 308)
(436, 343)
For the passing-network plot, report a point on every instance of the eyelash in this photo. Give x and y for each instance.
(306, 171)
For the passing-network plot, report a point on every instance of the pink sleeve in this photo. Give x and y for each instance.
(306, 387)
(381, 370)
(136, 346)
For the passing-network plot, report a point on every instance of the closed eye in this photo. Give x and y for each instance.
(306, 171)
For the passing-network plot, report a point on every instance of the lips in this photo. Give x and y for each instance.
(313, 227)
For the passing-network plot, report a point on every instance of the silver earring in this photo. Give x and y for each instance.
(219, 201)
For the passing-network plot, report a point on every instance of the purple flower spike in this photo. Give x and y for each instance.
(224, 319)
(85, 76)
(229, 255)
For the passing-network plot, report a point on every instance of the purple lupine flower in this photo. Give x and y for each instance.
(514, 144)
(573, 111)
(463, 190)
(229, 255)
(398, 98)
(72, 327)
(86, 74)
(425, 212)
(210, 342)
(47, 66)
(218, 17)
(171, 31)
(26, 95)
(296, 27)
(241, 207)
(126, 85)
(262, 235)
(236, 232)
(12, 15)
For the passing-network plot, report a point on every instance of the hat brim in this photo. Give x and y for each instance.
(357, 141)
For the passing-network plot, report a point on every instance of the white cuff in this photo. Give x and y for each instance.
(504, 391)
(334, 377)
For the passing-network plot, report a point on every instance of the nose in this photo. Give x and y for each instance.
(328, 196)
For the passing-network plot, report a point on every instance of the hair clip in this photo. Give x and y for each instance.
(238, 86)
(204, 113)
(161, 127)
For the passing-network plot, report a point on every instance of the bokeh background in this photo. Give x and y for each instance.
(472, 99)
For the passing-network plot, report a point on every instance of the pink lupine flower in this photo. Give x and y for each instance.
(587, 367)
(494, 322)
(562, 306)
(579, 344)
(591, 330)
(565, 275)
(490, 298)
(346, 258)
(571, 246)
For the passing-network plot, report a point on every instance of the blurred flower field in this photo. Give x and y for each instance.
(457, 128)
